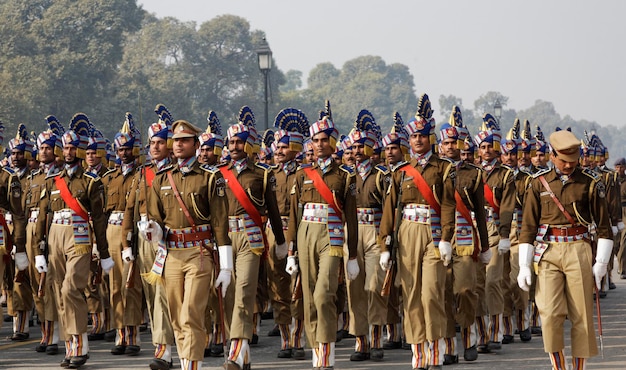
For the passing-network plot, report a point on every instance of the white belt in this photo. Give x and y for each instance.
(64, 214)
(315, 212)
(416, 212)
(116, 216)
(34, 213)
(236, 223)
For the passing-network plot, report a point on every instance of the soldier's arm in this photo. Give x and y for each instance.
(129, 210)
(272, 208)
(155, 205)
(17, 212)
(600, 212)
(448, 203)
(387, 221)
(349, 210)
(507, 206)
(294, 199)
(478, 198)
(531, 213)
(218, 207)
(96, 210)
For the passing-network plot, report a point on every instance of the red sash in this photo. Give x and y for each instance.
(423, 187)
(243, 199)
(149, 175)
(491, 199)
(69, 199)
(467, 215)
(323, 189)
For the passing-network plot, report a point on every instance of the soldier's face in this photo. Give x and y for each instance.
(420, 143)
(309, 156)
(348, 157)
(158, 149)
(393, 153)
(565, 167)
(449, 149)
(524, 159)
(620, 169)
(539, 160)
(486, 151)
(17, 159)
(207, 156)
(359, 152)
(283, 154)
(467, 157)
(185, 147)
(91, 158)
(236, 148)
(126, 155)
(46, 153)
(321, 145)
(509, 159)
(69, 153)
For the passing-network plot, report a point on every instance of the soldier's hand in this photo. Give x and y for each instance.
(504, 245)
(524, 278)
(615, 230)
(445, 250)
(281, 251)
(21, 261)
(620, 226)
(292, 265)
(223, 280)
(127, 255)
(485, 257)
(152, 232)
(352, 269)
(40, 264)
(603, 256)
(107, 265)
(384, 262)
(94, 251)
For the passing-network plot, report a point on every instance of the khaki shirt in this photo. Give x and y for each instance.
(341, 181)
(202, 192)
(11, 201)
(583, 196)
(137, 197)
(283, 185)
(438, 174)
(469, 185)
(371, 191)
(623, 195)
(87, 188)
(117, 189)
(613, 194)
(502, 183)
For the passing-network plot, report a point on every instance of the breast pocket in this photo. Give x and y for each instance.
(167, 198)
(409, 192)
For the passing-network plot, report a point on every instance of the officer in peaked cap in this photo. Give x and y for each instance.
(561, 240)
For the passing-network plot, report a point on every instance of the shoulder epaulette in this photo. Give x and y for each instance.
(525, 171)
(591, 174)
(383, 169)
(274, 166)
(168, 167)
(472, 166)
(108, 172)
(541, 172)
(347, 169)
(9, 170)
(263, 166)
(398, 165)
(93, 176)
(507, 167)
(209, 168)
(34, 173)
(305, 165)
(446, 159)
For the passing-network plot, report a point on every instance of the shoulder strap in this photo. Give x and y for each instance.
(149, 175)
(490, 197)
(241, 196)
(545, 184)
(323, 189)
(423, 187)
(69, 199)
(180, 200)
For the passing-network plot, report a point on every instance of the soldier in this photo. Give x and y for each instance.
(424, 234)
(160, 136)
(470, 242)
(620, 168)
(246, 209)
(366, 304)
(184, 239)
(526, 150)
(72, 197)
(322, 202)
(20, 302)
(559, 206)
(124, 282)
(499, 189)
(49, 144)
(468, 153)
(540, 159)
(211, 141)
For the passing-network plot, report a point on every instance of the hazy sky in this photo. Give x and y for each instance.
(568, 52)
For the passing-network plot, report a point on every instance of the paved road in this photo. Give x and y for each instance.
(518, 355)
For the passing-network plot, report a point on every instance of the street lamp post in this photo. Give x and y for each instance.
(265, 65)
(497, 110)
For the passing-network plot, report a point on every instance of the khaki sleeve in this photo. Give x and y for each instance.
(218, 207)
(272, 210)
(99, 220)
(448, 205)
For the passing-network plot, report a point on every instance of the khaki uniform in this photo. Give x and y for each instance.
(125, 302)
(420, 268)
(69, 248)
(156, 299)
(318, 234)
(621, 256)
(565, 279)
(614, 205)
(188, 269)
(500, 180)
(11, 201)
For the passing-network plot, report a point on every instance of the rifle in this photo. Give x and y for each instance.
(133, 236)
(390, 276)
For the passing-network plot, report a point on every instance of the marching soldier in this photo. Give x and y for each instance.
(425, 190)
(211, 141)
(499, 187)
(559, 206)
(124, 282)
(20, 302)
(526, 150)
(540, 159)
(160, 136)
(72, 197)
(470, 242)
(187, 209)
(366, 304)
(620, 168)
(322, 202)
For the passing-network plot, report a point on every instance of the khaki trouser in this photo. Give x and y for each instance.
(279, 283)
(621, 255)
(70, 272)
(423, 279)
(489, 278)
(365, 303)
(156, 299)
(461, 297)
(186, 286)
(241, 295)
(320, 278)
(565, 290)
(125, 303)
(46, 306)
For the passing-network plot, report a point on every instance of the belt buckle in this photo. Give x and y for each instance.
(66, 215)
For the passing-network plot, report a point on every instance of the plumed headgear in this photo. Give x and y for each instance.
(454, 129)
(528, 142)
(129, 136)
(424, 122)
(325, 124)
(77, 134)
(293, 127)
(489, 132)
(245, 129)
(22, 143)
(212, 137)
(365, 131)
(511, 142)
(163, 127)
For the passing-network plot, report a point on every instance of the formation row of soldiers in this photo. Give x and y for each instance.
(430, 238)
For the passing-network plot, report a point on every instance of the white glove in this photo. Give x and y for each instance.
(352, 269)
(40, 264)
(485, 257)
(127, 255)
(504, 245)
(445, 250)
(281, 251)
(524, 277)
(107, 265)
(384, 262)
(21, 261)
(615, 230)
(94, 251)
(603, 255)
(226, 267)
(292, 265)
(620, 226)
(13, 250)
(152, 232)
